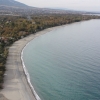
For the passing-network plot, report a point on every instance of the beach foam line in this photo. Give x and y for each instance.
(27, 74)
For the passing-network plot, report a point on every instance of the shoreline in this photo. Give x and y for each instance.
(16, 83)
(27, 75)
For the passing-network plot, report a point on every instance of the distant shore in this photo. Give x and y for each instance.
(16, 85)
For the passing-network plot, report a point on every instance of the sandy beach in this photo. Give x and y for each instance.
(16, 86)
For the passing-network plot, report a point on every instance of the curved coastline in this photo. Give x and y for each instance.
(28, 76)
(17, 85)
(24, 67)
(16, 81)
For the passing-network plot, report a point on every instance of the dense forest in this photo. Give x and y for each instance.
(13, 28)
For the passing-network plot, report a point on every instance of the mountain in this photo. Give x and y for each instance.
(11, 3)
(12, 7)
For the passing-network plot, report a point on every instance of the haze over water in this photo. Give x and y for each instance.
(64, 64)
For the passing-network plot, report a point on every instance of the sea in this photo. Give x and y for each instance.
(64, 64)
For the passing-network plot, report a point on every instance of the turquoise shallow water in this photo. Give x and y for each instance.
(64, 64)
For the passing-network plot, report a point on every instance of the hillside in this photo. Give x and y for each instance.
(12, 7)
(12, 3)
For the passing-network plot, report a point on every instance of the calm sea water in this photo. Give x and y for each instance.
(64, 64)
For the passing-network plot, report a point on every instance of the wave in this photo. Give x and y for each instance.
(28, 76)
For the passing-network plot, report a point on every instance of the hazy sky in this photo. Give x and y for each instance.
(86, 5)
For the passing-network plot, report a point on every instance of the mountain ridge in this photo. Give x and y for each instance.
(13, 7)
(12, 3)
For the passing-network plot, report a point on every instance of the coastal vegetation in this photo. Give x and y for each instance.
(13, 28)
